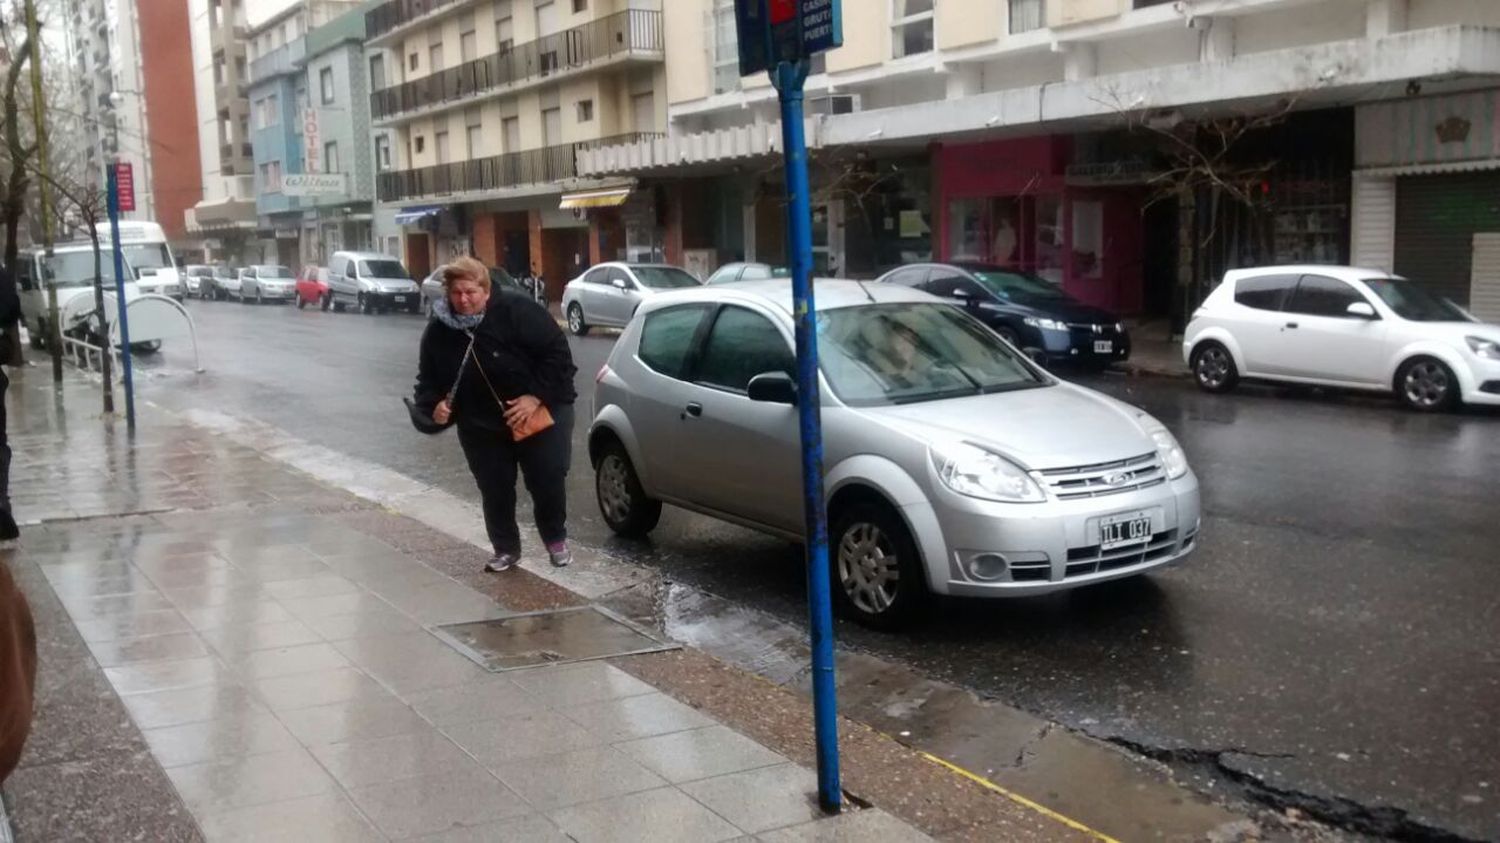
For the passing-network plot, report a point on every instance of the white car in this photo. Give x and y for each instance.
(267, 282)
(608, 294)
(1344, 327)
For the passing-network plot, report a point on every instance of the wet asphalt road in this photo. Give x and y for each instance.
(1337, 633)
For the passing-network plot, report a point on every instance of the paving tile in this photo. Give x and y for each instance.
(234, 643)
(285, 661)
(532, 828)
(410, 663)
(136, 625)
(444, 602)
(353, 720)
(251, 732)
(165, 675)
(304, 690)
(584, 683)
(410, 756)
(525, 735)
(248, 553)
(307, 608)
(149, 648)
(200, 597)
(324, 585)
(761, 799)
(369, 623)
(488, 698)
(95, 608)
(554, 781)
(849, 827)
(291, 569)
(237, 613)
(411, 807)
(223, 576)
(699, 754)
(326, 818)
(636, 717)
(90, 586)
(661, 816)
(214, 786)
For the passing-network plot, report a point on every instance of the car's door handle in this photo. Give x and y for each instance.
(1291, 324)
(693, 409)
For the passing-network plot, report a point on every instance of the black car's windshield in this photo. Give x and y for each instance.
(1019, 287)
(1412, 301)
(272, 272)
(147, 255)
(663, 277)
(905, 353)
(381, 269)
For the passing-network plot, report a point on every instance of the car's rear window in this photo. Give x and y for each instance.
(667, 337)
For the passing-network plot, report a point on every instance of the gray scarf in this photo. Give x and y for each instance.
(443, 311)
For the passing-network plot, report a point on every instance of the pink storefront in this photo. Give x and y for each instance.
(1008, 202)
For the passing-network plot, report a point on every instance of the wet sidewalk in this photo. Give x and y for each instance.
(232, 650)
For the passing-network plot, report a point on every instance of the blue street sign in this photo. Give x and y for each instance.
(774, 31)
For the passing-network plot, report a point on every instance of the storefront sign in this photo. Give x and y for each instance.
(125, 185)
(1131, 171)
(1428, 130)
(312, 142)
(314, 184)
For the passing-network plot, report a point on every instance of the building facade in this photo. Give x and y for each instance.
(1057, 136)
(171, 119)
(482, 109)
(224, 218)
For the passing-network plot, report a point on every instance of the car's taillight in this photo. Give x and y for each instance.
(603, 372)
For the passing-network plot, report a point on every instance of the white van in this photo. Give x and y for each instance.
(71, 271)
(370, 282)
(146, 248)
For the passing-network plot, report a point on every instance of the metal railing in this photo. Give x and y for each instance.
(622, 33)
(278, 62)
(398, 13)
(511, 169)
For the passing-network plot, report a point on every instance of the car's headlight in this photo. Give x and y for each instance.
(1484, 347)
(1046, 324)
(1119, 327)
(1172, 457)
(978, 473)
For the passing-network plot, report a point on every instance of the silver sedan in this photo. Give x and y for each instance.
(953, 465)
(608, 294)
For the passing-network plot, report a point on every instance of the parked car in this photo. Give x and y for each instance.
(1030, 312)
(371, 281)
(227, 286)
(194, 276)
(740, 271)
(608, 294)
(267, 282)
(1343, 327)
(215, 285)
(312, 287)
(500, 281)
(953, 463)
(144, 246)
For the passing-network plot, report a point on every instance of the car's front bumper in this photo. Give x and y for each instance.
(409, 299)
(1084, 345)
(1483, 384)
(276, 293)
(1054, 545)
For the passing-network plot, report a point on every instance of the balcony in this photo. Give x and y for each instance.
(512, 169)
(278, 62)
(395, 14)
(624, 34)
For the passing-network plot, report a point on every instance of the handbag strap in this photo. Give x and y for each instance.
(480, 367)
(463, 361)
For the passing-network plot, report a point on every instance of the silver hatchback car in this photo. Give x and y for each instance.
(953, 465)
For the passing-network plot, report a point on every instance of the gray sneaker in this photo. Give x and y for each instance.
(560, 555)
(502, 562)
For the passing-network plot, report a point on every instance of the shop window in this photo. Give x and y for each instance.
(1005, 231)
(1088, 240)
(966, 230)
(1049, 238)
(911, 27)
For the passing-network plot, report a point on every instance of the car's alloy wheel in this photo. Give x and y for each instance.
(623, 503)
(1214, 369)
(869, 569)
(1426, 385)
(575, 320)
(877, 572)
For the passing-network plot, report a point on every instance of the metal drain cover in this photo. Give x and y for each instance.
(556, 636)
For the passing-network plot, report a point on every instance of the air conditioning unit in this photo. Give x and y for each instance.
(834, 104)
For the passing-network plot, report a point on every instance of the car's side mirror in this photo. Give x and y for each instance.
(1362, 309)
(773, 388)
(148, 271)
(619, 283)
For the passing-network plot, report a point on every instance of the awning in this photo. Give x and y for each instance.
(1434, 169)
(612, 198)
(407, 216)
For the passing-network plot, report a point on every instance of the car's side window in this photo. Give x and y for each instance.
(23, 274)
(1264, 292)
(909, 277)
(599, 275)
(618, 274)
(953, 287)
(741, 345)
(1319, 295)
(667, 338)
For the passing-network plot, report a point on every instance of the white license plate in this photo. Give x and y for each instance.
(1124, 530)
(1103, 346)
(399, 299)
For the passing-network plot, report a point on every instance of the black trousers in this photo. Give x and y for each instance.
(543, 459)
(4, 443)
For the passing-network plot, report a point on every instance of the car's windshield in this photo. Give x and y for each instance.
(381, 269)
(147, 255)
(663, 277)
(272, 272)
(76, 269)
(760, 272)
(904, 353)
(223, 272)
(1019, 287)
(1412, 301)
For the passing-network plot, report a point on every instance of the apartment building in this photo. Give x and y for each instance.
(1040, 134)
(105, 46)
(225, 217)
(482, 109)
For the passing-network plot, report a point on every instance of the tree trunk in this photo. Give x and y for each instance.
(105, 363)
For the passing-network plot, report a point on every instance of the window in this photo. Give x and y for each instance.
(949, 285)
(382, 152)
(546, 18)
(377, 72)
(440, 146)
(741, 345)
(301, 104)
(551, 126)
(726, 66)
(421, 142)
(580, 6)
(331, 157)
(510, 133)
(643, 107)
(911, 27)
(473, 131)
(325, 85)
(412, 61)
(667, 337)
(909, 277)
(270, 176)
(505, 34)
(1319, 295)
(1412, 301)
(435, 57)
(1026, 15)
(468, 43)
(1264, 292)
(585, 111)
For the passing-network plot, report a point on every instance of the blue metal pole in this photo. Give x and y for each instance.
(114, 239)
(789, 77)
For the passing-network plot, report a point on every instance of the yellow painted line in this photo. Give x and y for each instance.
(1021, 800)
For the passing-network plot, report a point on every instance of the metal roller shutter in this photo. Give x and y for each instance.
(1436, 220)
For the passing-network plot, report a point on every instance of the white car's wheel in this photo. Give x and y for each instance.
(575, 319)
(1427, 385)
(876, 569)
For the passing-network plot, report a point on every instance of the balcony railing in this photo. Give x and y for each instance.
(398, 13)
(278, 62)
(512, 169)
(623, 33)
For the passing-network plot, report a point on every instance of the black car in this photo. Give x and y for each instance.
(1029, 311)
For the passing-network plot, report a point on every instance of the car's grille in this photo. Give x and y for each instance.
(1108, 478)
(1091, 560)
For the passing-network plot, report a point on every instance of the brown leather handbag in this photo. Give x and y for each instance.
(536, 423)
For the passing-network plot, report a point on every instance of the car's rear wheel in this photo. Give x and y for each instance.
(1427, 385)
(575, 320)
(301, 302)
(622, 501)
(1213, 368)
(39, 335)
(876, 569)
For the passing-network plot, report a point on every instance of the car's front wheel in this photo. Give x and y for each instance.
(327, 301)
(575, 319)
(623, 502)
(366, 304)
(1214, 369)
(1427, 385)
(875, 566)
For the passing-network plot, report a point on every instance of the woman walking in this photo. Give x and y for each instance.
(499, 367)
